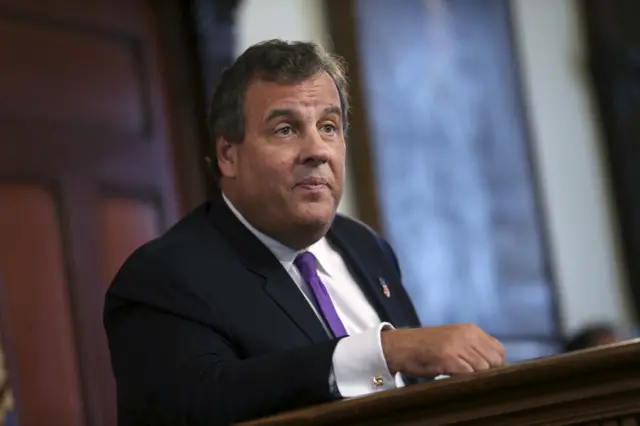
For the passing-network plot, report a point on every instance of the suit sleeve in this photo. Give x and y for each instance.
(173, 369)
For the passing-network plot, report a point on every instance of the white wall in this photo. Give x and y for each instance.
(565, 138)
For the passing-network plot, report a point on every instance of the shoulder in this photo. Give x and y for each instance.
(183, 272)
(349, 225)
(186, 253)
(365, 238)
(358, 231)
(187, 239)
(179, 273)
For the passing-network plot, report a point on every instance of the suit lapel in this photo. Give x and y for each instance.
(290, 299)
(258, 259)
(365, 275)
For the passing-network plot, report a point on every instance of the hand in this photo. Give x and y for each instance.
(432, 351)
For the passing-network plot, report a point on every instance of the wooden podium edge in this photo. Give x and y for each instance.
(559, 379)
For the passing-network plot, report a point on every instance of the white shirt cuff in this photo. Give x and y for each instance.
(359, 366)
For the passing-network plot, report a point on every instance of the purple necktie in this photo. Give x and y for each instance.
(306, 264)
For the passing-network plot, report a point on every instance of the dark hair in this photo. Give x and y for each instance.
(585, 338)
(274, 61)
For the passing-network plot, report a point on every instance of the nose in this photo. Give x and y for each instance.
(315, 151)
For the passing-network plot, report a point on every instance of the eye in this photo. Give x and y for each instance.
(284, 131)
(328, 128)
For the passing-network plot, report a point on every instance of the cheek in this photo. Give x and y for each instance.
(269, 168)
(339, 164)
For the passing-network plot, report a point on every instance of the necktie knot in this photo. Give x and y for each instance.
(306, 263)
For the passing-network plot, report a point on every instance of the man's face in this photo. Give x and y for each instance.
(288, 171)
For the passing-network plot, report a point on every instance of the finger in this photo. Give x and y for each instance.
(489, 356)
(476, 359)
(493, 354)
(499, 348)
(458, 366)
(497, 345)
(496, 359)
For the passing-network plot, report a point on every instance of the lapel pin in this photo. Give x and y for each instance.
(385, 287)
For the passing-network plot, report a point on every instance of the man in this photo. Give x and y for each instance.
(262, 299)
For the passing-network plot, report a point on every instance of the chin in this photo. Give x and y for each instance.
(308, 223)
(320, 214)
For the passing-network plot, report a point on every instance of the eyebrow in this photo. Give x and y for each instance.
(286, 112)
(332, 110)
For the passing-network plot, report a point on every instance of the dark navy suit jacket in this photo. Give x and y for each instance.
(205, 326)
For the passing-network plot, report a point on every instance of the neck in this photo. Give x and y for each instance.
(297, 236)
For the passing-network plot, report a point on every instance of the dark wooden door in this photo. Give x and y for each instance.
(86, 175)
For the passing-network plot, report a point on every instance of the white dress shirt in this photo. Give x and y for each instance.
(359, 366)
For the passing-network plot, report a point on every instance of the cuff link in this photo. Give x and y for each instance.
(378, 381)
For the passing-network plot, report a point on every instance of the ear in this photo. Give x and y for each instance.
(227, 154)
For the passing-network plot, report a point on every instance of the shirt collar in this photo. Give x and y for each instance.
(286, 255)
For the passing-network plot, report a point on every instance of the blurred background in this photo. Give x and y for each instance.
(493, 142)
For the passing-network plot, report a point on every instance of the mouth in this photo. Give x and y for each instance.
(313, 183)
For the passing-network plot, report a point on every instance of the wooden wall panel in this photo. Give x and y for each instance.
(34, 271)
(55, 74)
(125, 224)
(111, 16)
(93, 94)
(83, 108)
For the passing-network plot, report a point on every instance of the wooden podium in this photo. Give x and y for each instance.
(593, 387)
